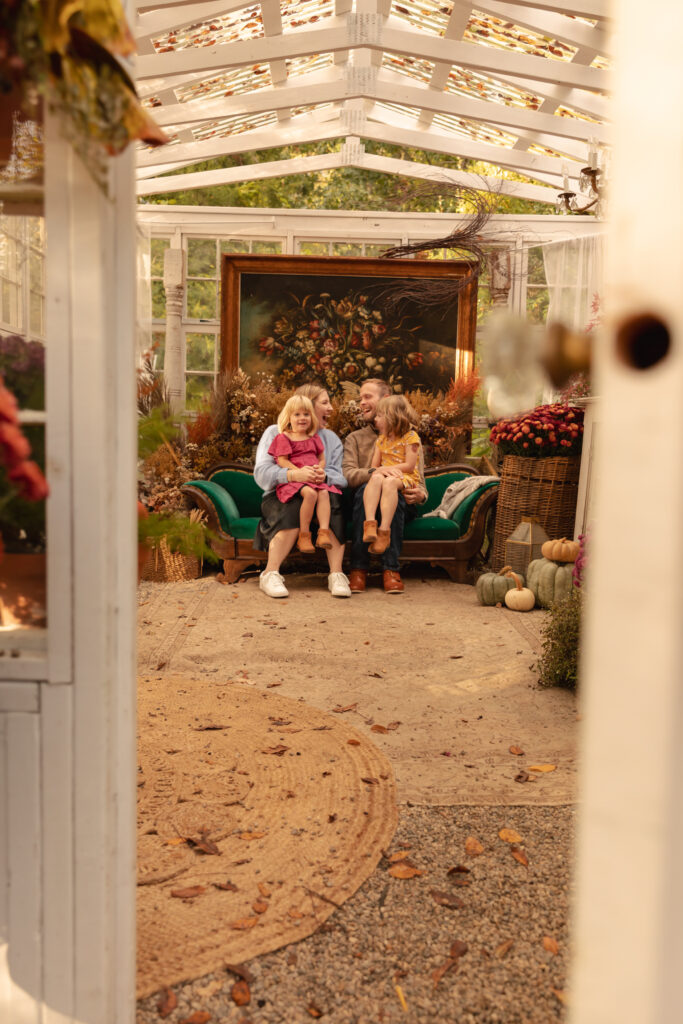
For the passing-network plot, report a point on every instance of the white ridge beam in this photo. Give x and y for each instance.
(338, 35)
(601, 10)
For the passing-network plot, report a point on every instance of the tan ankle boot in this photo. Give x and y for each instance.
(379, 546)
(304, 543)
(324, 539)
(369, 531)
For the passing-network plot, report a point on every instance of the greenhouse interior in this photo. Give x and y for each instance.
(320, 299)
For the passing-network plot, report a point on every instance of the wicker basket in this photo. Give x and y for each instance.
(166, 566)
(544, 488)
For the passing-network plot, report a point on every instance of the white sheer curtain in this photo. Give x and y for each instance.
(143, 262)
(573, 270)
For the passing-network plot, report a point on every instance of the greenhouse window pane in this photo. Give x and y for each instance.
(201, 257)
(158, 348)
(535, 266)
(22, 526)
(266, 248)
(199, 351)
(234, 245)
(347, 249)
(376, 250)
(36, 267)
(201, 300)
(198, 389)
(314, 248)
(158, 247)
(158, 300)
(36, 315)
(537, 300)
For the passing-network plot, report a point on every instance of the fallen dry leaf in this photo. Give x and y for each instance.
(541, 767)
(244, 923)
(198, 1017)
(459, 869)
(473, 847)
(551, 945)
(379, 728)
(509, 835)
(522, 776)
(226, 886)
(240, 993)
(270, 686)
(561, 996)
(161, 664)
(516, 750)
(400, 855)
(210, 727)
(393, 725)
(438, 972)
(189, 893)
(204, 845)
(404, 870)
(251, 835)
(278, 751)
(370, 781)
(263, 889)
(353, 743)
(401, 998)
(504, 948)
(446, 899)
(241, 971)
(314, 1010)
(259, 907)
(180, 841)
(167, 1002)
(340, 710)
(295, 914)
(520, 856)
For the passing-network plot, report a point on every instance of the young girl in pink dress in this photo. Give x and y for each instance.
(295, 446)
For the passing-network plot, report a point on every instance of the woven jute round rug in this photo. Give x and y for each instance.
(257, 816)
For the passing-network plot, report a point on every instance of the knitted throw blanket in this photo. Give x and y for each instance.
(455, 493)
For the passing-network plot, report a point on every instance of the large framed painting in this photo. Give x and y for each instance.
(336, 319)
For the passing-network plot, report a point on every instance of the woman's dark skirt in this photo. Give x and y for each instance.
(277, 515)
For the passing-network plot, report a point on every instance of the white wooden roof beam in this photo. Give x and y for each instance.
(272, 24)
(327, 124)
(328, 161)
(397, 90)
(337, 35)
(164, 19)
(548, 23)
(457, 23)
(601, 10)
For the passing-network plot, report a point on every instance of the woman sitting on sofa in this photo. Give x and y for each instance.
(279, 526)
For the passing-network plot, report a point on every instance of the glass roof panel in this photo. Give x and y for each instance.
(304, 65)
(244, 24)
(232, 83)
(296, 13)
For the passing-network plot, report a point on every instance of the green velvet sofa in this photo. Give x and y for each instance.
(232, 501)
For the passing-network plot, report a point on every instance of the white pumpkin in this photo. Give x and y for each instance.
(519, 599)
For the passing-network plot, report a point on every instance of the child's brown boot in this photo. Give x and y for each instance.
(324, 539)
(369, 531)
(304, 543)
(379, 546)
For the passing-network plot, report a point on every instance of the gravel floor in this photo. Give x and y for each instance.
(373, 961)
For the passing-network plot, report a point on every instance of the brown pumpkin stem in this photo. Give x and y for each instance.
(515, 577)
(505, 571)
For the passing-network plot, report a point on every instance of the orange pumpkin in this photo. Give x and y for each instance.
(562, 550)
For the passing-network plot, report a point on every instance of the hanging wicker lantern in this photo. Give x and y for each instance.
(524, 544)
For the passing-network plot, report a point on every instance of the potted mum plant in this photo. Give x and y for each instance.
(540, 453)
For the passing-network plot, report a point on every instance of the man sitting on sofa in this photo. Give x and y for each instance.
(358, 451)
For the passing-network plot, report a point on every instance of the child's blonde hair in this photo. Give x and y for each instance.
(399, 414)
(293, 405)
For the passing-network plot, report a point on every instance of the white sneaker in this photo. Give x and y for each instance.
(338, 585)
(272, 584)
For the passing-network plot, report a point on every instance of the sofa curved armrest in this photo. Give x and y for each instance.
(213, 499)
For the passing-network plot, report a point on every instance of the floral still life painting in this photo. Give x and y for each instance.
(341, 327)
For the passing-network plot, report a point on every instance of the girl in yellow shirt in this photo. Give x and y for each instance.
(394, 465)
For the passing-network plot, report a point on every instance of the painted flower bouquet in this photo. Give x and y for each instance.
(545, 432)
(346, 339)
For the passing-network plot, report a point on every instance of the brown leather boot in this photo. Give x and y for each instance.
(357, 581)
(393, 584)
(324, 539)
(304, 543)
(369, 531)
(379, 546)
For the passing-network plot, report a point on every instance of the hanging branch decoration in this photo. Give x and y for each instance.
(69, 53)
(465, 241)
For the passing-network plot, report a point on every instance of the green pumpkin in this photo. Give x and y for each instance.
(549, 581)
(492, 587)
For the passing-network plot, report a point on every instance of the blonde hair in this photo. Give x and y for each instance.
(380, 384)
(312, 391)
(399, 414)
(293, 405)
